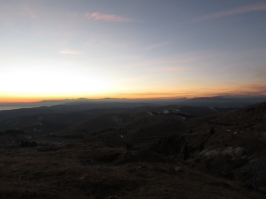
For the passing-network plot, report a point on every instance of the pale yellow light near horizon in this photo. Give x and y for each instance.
(53, 83)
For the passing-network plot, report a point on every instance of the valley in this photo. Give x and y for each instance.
(139, 151)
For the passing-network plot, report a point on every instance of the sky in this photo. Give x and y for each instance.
(131, 49)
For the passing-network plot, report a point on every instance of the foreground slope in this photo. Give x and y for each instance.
(97, 170)
(229, 145)
(249, 120)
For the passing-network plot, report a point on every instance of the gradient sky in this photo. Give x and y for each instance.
(133, 49)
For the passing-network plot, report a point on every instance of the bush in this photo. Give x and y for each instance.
(27, 144)
(129, 146)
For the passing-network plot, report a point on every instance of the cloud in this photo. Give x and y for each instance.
(148, 95)
(107, 17)
(28, 12)
(178, 68)
(156, 45)
(69, 52)
(184, 59)
(252, 89)
(235, 11)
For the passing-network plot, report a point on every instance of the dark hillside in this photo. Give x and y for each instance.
(147, 152)
(101, 171)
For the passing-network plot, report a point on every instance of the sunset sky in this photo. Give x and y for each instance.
(131, 48)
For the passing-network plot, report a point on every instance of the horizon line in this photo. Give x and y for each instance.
(114, 98)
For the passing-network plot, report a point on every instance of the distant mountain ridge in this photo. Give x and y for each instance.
(219, 100)
(225, 101)
(82, 104)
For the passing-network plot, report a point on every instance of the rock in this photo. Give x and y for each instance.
(178, 169)
(143, 167)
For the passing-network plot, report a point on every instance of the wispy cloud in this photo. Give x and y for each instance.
(69, 52)
(147, 95)
(26, 11)
(107, 17)
(235, 11)
(157, 45)
(171, 61)
(178, 68)
(10, 12)
(252, 89)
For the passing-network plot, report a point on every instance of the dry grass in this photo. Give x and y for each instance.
(97, 170)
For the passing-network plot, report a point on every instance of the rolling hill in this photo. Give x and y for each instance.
(144, 152)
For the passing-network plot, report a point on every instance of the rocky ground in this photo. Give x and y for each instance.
(98, 170)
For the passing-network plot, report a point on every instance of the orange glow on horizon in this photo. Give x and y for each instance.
(127, 96)
(255, 89)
